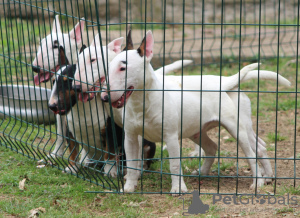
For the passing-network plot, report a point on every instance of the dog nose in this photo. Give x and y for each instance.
(77, 88)
(104, 97)
(53, 107)
(36, 69)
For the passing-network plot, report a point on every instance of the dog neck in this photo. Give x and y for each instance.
(151, 83)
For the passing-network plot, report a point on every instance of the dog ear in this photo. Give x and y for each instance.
(115, 45)
(77, 31)
(96, 41)
(129, 43)
(146, 47)
(63, 60)
(56, 26)
(82, 48)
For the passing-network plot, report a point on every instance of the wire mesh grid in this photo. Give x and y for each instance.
(86, 136)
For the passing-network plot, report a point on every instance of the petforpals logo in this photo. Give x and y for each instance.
(198, 207)
(260, 199)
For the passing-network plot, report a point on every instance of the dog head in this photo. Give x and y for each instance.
(46, 62)
(63, 96)
(126, 72)
(90, 67)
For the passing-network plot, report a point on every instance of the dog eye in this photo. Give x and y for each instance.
(92, 60)
(122, 68)
(55, 46)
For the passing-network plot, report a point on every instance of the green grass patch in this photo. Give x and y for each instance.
(270, 148)
(284, 210)
(224, 165)
(231, 139)
(289, 189)
(64, 195)
(272, 137)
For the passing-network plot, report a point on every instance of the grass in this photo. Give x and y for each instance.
(284, 210)
(290, 189)
(64, 195)
(270, 148)
(61, 194)
(276, 138)
(224, 165)
(230, 139)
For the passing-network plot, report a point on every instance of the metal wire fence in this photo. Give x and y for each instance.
(86, 136)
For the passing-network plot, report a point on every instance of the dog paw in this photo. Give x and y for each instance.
(269, 181)
(41, 162)
(50, 158)
(110, 170)
(129, 186)
(113, 172)
(71, 169)
(177, 191)
(260, 183)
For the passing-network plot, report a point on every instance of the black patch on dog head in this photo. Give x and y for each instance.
(82, 48)
(129, 43)
(63, 60)
(141, 49)
(64, 91)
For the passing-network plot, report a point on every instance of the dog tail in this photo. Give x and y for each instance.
(248, 73)
(268, 75)
(171, 67)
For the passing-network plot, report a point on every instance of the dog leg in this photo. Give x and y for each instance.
(108, 141)
(210, 148)
(149, 152)
(231, 126)
(74, 152)
(132, 153)
(178, 185)
(196, 153)
(245, 118)
(261, 153)
(60, 145)
(110, 167)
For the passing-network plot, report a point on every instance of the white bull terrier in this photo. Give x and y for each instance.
(47, 63)
(129, 69)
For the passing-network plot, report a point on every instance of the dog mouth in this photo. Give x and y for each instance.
(91, 93)
(56, 111)
(124, 98)
(45, 76)
(60, 112)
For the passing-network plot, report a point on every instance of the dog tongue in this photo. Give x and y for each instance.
(115, 104)
(36, 80)
(41, 78)
(84, 97)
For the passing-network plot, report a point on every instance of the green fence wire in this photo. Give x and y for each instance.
(220, 37)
